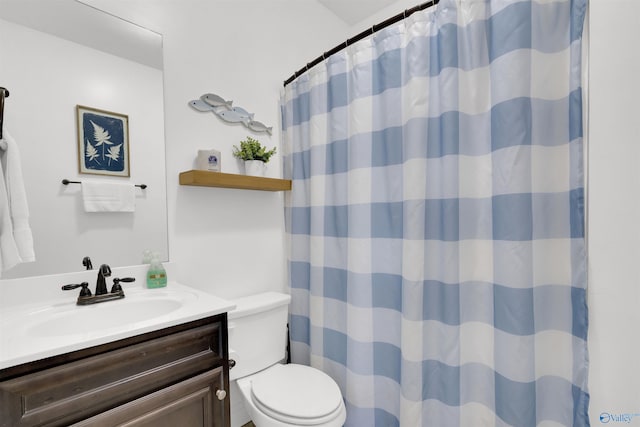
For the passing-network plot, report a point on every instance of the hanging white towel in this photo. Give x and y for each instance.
(17, 199)
(9, 256)
(108, 197)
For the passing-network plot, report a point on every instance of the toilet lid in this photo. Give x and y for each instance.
(297, 393)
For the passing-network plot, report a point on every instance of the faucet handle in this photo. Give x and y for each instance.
(84, 292)
(116, 283)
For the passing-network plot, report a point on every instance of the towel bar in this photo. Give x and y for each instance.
(67, 182)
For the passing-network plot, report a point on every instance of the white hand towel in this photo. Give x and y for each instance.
(108, 197)
(17, 198)
(9, 256)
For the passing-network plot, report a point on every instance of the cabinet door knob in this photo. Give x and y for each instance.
(221, 394)
(232, 363)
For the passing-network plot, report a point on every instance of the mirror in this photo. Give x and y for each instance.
(55, 55)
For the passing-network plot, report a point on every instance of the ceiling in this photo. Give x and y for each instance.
(354, 11)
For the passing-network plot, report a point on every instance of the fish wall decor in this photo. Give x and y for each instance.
(215, 100)
(200, 105)
(259, 127)
(210, 102)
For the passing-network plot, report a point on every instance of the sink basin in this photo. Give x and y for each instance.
(103, 316)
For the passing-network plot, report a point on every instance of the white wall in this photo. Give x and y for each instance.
(614, 211)
(231, 242)
(47, 77)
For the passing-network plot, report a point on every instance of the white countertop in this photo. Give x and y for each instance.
(40, 329)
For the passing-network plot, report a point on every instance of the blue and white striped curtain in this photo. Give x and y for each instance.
(436, 222)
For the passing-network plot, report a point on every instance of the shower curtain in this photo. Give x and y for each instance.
(436, 221)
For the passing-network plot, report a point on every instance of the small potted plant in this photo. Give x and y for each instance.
(254, 155)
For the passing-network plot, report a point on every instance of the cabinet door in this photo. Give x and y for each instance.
(193, 402)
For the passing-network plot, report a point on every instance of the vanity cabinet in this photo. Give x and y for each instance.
(176, 376)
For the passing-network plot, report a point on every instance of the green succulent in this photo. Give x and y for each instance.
(251, 149)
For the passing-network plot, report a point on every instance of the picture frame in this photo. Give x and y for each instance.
(103, 142)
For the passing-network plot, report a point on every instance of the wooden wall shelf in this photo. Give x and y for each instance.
(229, 180)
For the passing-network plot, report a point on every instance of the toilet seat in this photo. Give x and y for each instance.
(297, 394)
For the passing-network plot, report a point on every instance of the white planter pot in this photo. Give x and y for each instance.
(254, 167)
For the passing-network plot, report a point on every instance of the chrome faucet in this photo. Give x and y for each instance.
(101, 284)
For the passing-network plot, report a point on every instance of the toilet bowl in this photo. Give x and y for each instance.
(276, 394)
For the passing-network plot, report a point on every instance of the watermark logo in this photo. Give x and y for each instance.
(623, 417)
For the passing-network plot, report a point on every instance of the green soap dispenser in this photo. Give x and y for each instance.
(156, 275)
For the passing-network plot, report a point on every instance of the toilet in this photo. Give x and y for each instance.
(276, 394)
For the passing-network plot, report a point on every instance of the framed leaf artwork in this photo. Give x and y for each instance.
(103, 142)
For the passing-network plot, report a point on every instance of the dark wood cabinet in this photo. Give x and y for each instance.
(175, 376)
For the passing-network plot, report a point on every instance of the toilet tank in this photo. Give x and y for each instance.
(257, 332)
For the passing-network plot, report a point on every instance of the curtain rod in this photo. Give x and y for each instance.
(360, 36)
